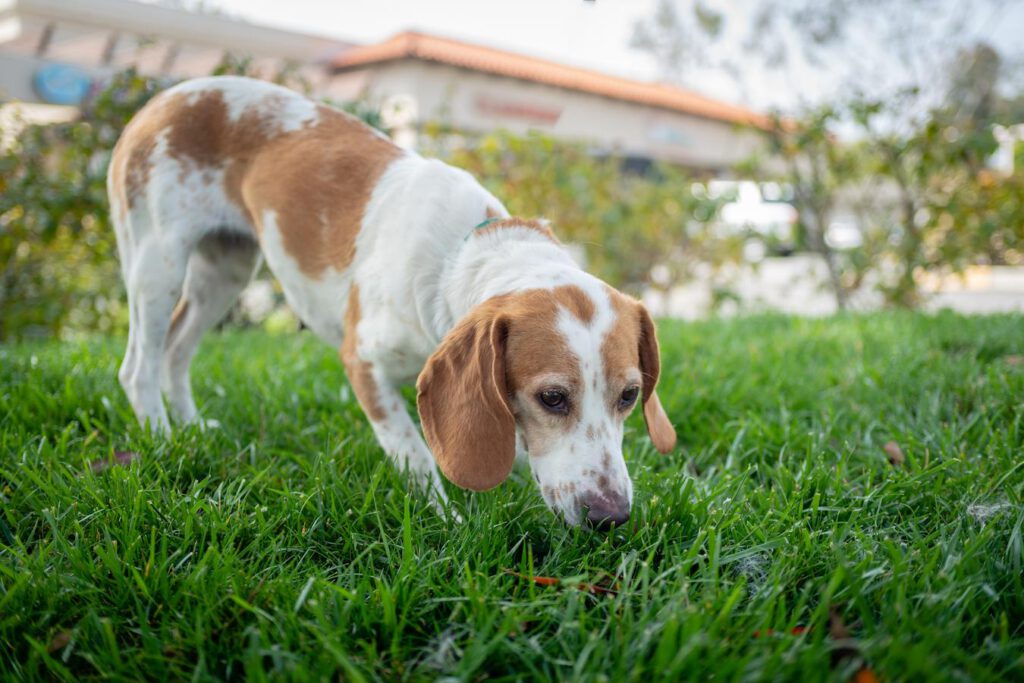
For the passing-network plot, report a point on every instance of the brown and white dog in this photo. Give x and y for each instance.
(516, 349)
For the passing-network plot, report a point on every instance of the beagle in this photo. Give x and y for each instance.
(406, 265)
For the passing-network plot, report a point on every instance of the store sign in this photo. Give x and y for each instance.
(509, 109)
(61, 84)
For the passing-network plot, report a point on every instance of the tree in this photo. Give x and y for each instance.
(676, 40)
(872, 46)
(817, 166)
(907, 153)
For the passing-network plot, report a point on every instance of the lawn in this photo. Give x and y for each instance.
(784, 539)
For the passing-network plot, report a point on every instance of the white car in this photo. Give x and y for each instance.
(761, 209)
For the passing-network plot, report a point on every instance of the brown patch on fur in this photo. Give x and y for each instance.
(491, 213)
(632, 342)
(576, 301)
(591, 434)
(202, 133)
(317, 180)
(535, 344)
(528, 223)
(131, 160)
(620, 349)
(359, 371)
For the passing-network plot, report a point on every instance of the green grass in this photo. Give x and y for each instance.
(283, 545)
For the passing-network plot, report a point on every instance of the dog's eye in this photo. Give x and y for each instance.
(554, 400)
(628, 397)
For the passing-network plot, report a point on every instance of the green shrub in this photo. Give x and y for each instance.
(57, 248)
(626, 223)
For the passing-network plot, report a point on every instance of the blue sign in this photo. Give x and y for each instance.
(61, 84)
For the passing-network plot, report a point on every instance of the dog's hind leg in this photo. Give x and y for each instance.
(221, 265)
(154, 280)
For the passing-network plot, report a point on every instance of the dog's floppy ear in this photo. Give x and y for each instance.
(462, 396)
(663, 434)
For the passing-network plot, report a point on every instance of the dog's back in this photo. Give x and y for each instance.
(224, 150)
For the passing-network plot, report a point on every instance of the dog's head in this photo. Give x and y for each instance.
(560, 369)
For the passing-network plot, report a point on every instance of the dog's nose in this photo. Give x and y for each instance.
(606, 510)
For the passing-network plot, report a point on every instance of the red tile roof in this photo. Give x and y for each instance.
(412, 45)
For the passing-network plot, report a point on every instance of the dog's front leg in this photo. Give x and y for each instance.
(395, 430)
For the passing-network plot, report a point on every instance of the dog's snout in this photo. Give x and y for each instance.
(606, 510)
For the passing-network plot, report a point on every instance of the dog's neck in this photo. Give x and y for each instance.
(498, 261)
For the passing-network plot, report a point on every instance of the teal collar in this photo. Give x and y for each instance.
(482, 225)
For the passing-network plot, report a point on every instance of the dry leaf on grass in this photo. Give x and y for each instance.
(59, 641)
(1016, 361)
(846, 647)
(795, 631)
(120, 459)
(894, 453)
(865, 675)
(592, 588)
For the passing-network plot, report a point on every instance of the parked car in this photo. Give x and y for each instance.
(761, 210)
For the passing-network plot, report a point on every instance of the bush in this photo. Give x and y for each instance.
(57, 247)
(926, 204)
(626, 223)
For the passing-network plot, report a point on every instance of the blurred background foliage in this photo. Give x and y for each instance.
(60, 272)
(925, 200)
(624, 223)
(57, 249)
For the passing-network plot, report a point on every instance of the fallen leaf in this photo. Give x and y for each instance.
(593, 589)
(539, 580)
(846, 648)
(836, 626)
(895, 453)
(59, 641)
(795, 631)
(121, 459)
(865, 675)
(1014, 360)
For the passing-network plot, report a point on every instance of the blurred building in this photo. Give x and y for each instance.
(53, 53)
(474, 88)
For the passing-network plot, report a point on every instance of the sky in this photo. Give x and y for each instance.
(596, 35)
